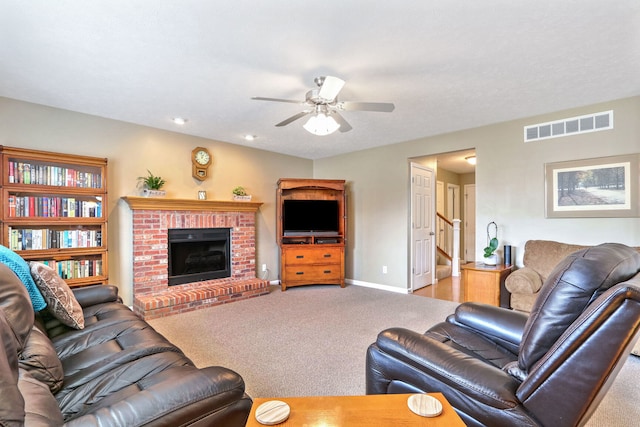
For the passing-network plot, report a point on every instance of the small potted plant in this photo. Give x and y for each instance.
(490, 256)
(239, 193)
(151, 185)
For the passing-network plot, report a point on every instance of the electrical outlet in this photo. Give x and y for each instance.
(264, 267)
(384, 269)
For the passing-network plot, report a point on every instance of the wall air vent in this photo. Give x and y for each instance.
(571, 126)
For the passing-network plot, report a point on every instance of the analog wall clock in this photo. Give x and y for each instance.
(200, 160)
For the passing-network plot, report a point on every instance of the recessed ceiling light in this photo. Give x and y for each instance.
(250, 137)
(180, 120)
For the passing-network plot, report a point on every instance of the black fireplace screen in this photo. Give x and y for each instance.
(197, 254)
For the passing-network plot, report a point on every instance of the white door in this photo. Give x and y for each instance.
(422, 227)
(470, 222)
(453, 202)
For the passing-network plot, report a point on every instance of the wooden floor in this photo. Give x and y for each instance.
(449, 289)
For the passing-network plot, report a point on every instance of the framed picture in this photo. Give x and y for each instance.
(592, 188)
(202, 195)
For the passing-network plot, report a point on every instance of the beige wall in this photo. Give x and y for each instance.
(509, 189)
(509, 180)
(132, 149)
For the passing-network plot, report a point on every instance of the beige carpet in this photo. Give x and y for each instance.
(311, 341)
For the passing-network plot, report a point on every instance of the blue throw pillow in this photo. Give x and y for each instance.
(21, 269)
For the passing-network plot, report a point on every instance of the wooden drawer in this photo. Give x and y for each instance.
(315, 255)
(310, 273)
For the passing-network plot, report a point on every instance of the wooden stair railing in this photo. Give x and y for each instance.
(448, 241)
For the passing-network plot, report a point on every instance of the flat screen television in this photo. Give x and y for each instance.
(316, 217)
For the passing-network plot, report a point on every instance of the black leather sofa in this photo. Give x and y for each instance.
(117, 371)
(498, 367)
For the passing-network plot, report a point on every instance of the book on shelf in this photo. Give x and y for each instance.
(75, 268)
(25, 239)
(53, 207)
(59, 176)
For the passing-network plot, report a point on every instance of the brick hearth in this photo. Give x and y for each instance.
(152, 295)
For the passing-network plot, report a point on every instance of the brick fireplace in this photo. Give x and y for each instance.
(153, 217)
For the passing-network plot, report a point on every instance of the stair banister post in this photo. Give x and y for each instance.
(455, 261)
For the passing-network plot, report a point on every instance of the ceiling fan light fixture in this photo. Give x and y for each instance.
(322, 104)
(320, 124)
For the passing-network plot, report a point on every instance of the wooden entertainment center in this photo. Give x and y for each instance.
(309, 256)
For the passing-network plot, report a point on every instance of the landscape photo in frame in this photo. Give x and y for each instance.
(602, 187)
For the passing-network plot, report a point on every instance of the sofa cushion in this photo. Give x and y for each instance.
(59, 297)
(15, 302)
(40, 406)
(21, 269)
(576, 282)
(523, 302)
(40, 359)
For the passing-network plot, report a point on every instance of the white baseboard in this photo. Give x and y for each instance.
(377, 286)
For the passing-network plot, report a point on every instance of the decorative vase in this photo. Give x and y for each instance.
(153, 193)
(491, 260)
(246, 198)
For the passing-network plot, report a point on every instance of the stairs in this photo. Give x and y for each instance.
(447, 247)
(443, 271)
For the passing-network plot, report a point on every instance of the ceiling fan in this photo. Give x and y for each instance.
(323, 106)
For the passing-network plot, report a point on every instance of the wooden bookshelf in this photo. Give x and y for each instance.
(53, 209)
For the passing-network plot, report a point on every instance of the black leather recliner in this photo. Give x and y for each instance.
(498, 367)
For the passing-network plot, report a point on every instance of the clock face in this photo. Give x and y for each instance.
(202, 157)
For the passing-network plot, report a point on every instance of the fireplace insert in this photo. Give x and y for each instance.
(197, 254)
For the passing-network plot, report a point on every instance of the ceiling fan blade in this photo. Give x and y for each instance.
(330, 88)
(384, 107)
(344, 125)
(260, 98)
(293, 118)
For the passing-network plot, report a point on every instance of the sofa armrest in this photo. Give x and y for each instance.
(176, 396)
(523, 281)
(435, 366)
(96, 294)
(498, 324)
(12, 407)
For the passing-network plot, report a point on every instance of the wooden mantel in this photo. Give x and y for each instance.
(161, 203)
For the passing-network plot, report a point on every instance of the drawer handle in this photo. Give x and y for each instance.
(327, 272)
(299, 273)
(299, 256)
(327, 255)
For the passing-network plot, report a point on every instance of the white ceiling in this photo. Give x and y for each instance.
(447, 64)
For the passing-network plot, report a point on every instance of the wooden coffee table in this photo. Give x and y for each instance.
(366, 411)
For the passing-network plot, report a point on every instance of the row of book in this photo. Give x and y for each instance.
(29, 173)
(53, 207)
(76, 268)
(25, 239)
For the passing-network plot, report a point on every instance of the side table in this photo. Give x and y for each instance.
(485, 283)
